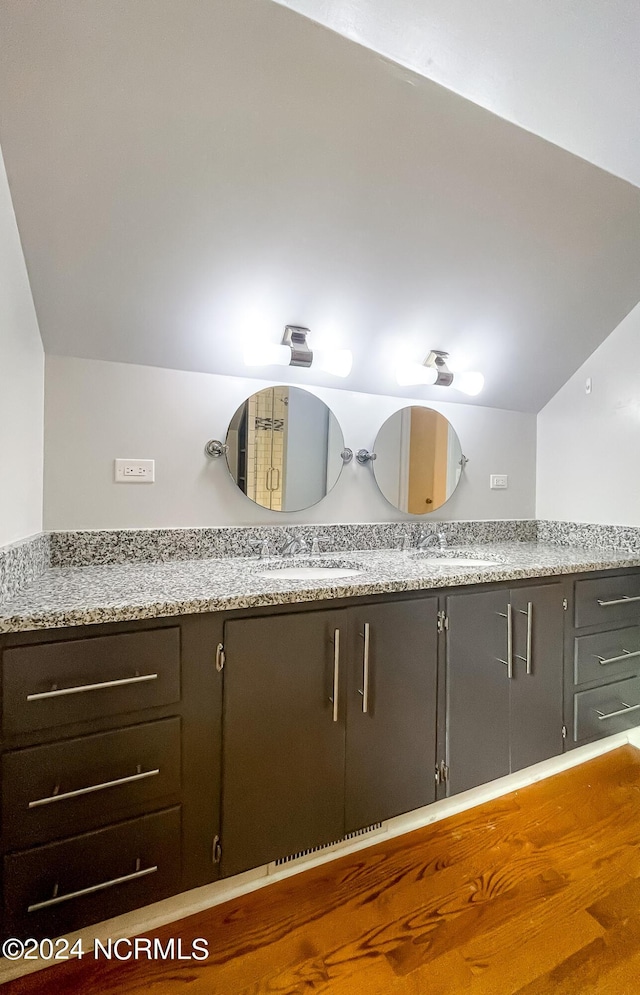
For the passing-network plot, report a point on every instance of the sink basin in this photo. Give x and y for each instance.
(454, 561)
(309, 570)
(308, 573)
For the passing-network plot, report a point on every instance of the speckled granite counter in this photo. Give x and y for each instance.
(67, 596)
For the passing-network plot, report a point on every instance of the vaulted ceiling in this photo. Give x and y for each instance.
(566, 71)
(187, 172)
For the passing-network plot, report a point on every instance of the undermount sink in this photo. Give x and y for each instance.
(309, 571)
(453, 561)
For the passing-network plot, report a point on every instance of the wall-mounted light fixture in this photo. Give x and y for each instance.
(435, 370)
(295, 350)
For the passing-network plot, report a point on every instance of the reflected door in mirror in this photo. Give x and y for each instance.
(284, 448)
(417, 465)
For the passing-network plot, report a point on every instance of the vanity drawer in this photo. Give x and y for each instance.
(66, 788)
(54, 889)
(606, 654)
(608, 599)
(54, 684)
(605, 710)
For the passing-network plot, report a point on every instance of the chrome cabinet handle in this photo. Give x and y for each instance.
(621, 711)
(57, 899)
(626, 655)
(93, 787)
(365, 669)
(336, 672)
(91, 687)
(529, 657)
(509, 661)
(618, 601)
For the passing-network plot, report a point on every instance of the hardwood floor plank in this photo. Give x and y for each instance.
(499, 968)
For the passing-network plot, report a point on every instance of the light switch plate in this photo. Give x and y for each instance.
(135, 471)
(499, 481)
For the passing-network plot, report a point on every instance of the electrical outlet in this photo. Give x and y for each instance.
(498, 481)
(135, 471)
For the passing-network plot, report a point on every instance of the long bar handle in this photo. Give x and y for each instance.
(93, 787)
(92, 687)
(509, 661)
(365, 668)
(621, 711)
(529, 657)
(90, 891)
(626, 655)
(618, 601)
(336, 672)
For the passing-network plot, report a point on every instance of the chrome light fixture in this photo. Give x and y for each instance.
(435, 371)
(295, 350)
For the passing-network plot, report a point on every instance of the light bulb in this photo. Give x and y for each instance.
(266, 354)
(408, 374)
(469, 382)
(338, 362)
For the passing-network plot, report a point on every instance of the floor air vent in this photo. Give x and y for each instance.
(293, 858)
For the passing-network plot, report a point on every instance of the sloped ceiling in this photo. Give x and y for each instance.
(185, 170)
(567, 71)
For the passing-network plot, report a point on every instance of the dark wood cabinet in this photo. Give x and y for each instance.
(110, 769)
(63, 886)
(603, 657)
(283, 736)
(328, 727)
(391, 735)
(504, 682)
(477, 689)
(536, 688)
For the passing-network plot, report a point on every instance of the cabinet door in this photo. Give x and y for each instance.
(477, 689)
(536, 688)
(283, 752)
(391, 733)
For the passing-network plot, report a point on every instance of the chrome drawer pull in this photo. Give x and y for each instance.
(365, 669)
(626, 655)
(57, 899)
(529, 637)
(94, 787)
(336, 673)
(509, 661)
(625, 599)
(91, 687)
(621, 711)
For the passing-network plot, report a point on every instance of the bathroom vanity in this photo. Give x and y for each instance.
(150, 747)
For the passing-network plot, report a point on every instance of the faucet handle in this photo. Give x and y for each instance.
(262, 545)
(405, 541)
(318, 541)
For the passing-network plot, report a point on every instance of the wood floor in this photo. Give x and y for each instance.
(535, 893)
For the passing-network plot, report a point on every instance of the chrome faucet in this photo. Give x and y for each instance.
(317, 542)
(263, 550)
(426, 539)
(293, 546)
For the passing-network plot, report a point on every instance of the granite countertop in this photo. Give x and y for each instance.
(64, 596)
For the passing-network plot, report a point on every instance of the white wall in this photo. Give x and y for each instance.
(21, 386)
(97, 411)
(589, 444)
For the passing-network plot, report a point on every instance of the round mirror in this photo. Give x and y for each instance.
(284, 448)
(417, 465)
